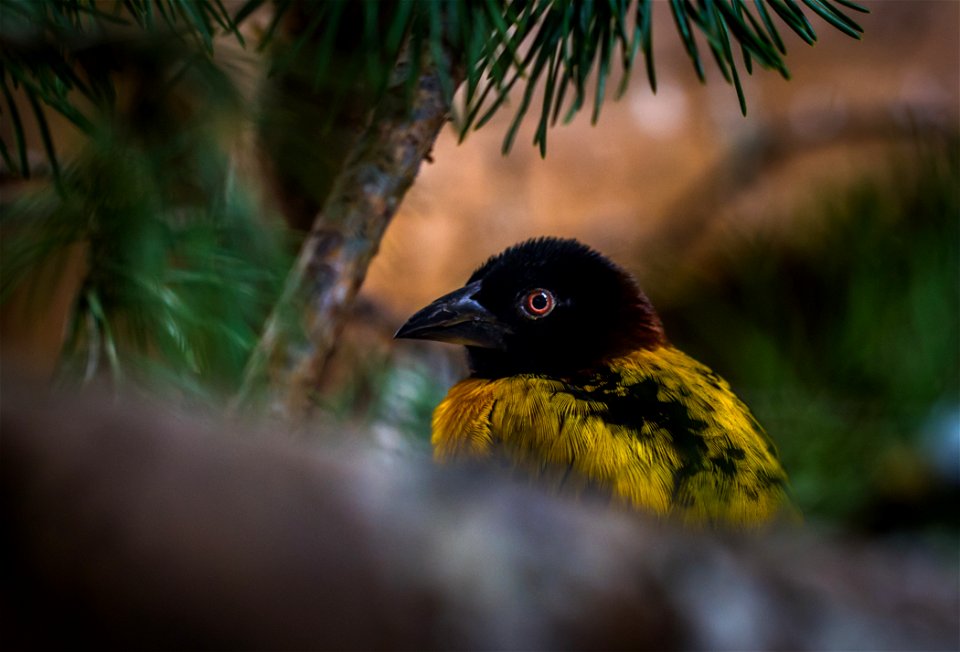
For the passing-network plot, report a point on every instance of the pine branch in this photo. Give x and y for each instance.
(570, 43)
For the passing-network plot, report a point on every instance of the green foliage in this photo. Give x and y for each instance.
(50, 48)
(58, 53)
(844, 341)
(180, 270)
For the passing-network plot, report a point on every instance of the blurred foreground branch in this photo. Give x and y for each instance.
(131, 527)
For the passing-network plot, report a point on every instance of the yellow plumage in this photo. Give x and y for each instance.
(724, 469)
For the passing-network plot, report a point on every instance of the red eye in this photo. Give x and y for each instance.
(537, 303)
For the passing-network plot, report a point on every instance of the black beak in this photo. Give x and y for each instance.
(457, 318)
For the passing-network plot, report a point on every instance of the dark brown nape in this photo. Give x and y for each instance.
(649, 333)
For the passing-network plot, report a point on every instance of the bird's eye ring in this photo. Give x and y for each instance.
(537, 303)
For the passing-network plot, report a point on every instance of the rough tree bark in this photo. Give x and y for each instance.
(345, 236)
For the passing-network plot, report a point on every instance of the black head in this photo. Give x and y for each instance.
(547, 306)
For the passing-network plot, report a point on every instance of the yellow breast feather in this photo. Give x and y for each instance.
(655, 429)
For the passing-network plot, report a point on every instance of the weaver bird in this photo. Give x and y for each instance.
(573, 381)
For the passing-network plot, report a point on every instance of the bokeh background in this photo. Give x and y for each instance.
(807, 252)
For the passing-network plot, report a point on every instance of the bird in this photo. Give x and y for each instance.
(574, 385)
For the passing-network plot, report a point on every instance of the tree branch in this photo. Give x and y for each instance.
(345, 236)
